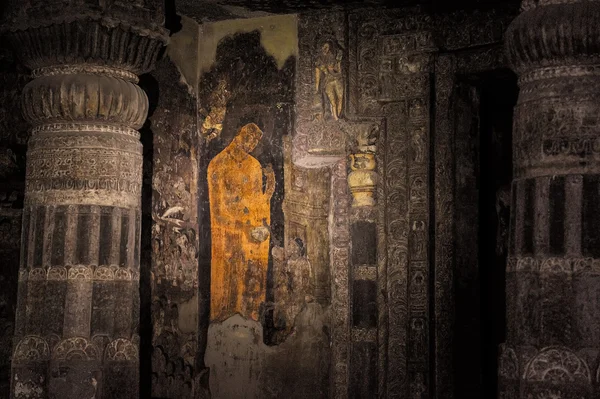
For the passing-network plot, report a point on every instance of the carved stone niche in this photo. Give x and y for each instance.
(363, 178)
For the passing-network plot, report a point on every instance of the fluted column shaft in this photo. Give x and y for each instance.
(78, 306)
(553, 272)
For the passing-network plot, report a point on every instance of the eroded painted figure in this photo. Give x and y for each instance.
(240, 218)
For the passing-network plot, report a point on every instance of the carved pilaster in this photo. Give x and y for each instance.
(78, 306)
(553, 336)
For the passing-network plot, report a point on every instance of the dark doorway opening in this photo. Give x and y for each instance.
(483, 106)
(498, 98)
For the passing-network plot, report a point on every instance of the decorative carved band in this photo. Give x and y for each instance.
(567, 33)
(83, 127)
(82, 144)
(79, 272)
(568, 71)
(74, 167)
(530, 4)
(33, 348)
(553, 364)
(85, 69)
(553, 265)
(75, 348)
(86, 98)
(571, 146)
(89, 40)
(365, 272)
(573, 88)
(364, 335)
(84, 192)
(551, 139)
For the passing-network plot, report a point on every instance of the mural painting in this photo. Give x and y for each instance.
(263, 245)
(240, 220)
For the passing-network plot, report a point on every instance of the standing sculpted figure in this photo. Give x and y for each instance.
(328, 78)
(240, 218)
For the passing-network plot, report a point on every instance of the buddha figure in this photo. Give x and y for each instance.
(240, 233)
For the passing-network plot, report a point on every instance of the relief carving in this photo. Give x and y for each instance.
(557, 365)
(75, 348)
(363, 177)
(121, 350)
(31, 349)
(329, 80)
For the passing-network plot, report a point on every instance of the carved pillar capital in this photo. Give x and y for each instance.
(554, 46)
(553, 35)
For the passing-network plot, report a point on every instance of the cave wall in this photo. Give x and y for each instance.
(377, 314)
(170, 289)
(246, 77)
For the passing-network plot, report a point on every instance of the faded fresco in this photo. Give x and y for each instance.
(240, 219)
(263, 221)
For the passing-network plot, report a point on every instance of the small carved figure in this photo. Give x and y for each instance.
(328, 78)
(366, 138)
(419, 239)
(419, 144)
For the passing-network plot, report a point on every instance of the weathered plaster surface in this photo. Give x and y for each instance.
(278, 37)
(183, 51)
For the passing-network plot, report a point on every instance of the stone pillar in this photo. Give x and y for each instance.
(78, 296)
(553, 273)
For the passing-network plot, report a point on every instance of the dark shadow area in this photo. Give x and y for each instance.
(150, 85)
(483, 106)
(498, 98)
(13, 146)
(216, 10)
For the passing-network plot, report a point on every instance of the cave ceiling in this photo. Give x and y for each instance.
(214, 10)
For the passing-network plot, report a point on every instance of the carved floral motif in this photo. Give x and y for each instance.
(557, 365)
(31, 349)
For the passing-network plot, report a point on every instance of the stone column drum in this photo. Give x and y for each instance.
(78, 296)
(553, 273)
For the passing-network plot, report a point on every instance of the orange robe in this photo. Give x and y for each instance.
(239, 262)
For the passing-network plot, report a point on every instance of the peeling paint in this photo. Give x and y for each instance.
(278, 37)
